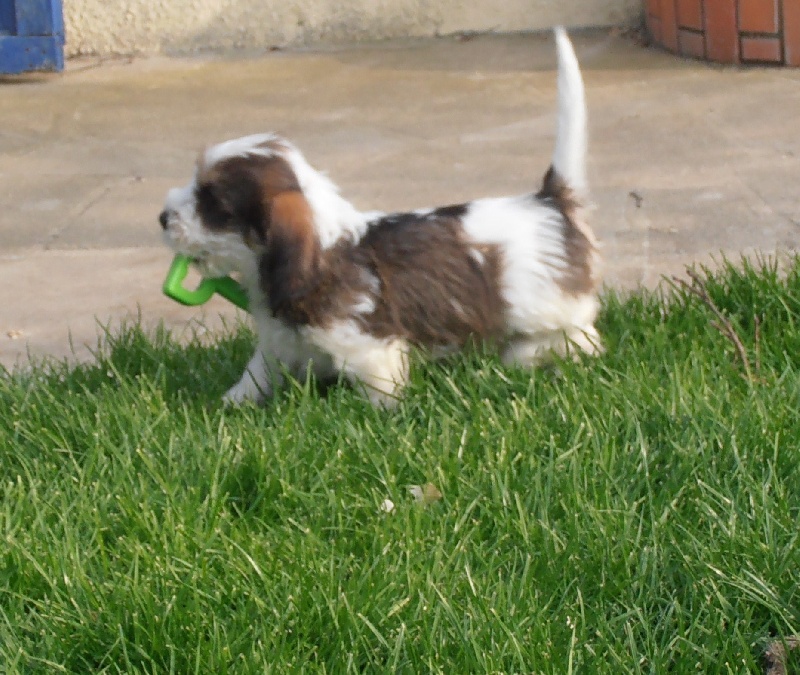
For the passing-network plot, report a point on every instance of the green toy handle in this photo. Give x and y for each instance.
(228, 288)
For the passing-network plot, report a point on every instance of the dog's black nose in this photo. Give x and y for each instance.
(163, 218)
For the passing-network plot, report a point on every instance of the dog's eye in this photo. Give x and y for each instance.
(211, 209)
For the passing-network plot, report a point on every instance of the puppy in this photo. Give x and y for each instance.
(352, 292)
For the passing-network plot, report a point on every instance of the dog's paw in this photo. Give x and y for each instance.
(244, 391)
(383, 400)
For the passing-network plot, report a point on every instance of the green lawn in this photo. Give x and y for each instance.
(637, 513)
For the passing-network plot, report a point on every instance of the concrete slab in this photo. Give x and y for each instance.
(687, 160)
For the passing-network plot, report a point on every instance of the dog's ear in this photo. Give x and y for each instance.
(290, 266)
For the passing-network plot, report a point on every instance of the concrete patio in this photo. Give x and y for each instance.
(687, 159)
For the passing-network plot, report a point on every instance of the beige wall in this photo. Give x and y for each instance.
(178, 26)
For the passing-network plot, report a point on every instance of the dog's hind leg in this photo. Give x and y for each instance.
(539, 349)
(378, 365)
(383, 375)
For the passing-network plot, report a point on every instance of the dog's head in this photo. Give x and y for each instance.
(254, 197)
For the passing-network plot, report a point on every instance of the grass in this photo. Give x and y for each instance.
(637, 513)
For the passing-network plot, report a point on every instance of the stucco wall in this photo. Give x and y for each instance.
(179, 26)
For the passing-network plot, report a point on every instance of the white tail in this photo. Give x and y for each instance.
(569, 157)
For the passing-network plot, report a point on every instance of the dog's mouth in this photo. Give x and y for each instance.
(209, 265)
(176, 239)
(206, 266)
(212, 255)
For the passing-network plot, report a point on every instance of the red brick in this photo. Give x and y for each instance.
(653, 8)
(761, 49)
(791, 31)
(722, 38)
(654, 29)
(692, 44)
(669, 25)
(690, 14)
(759, 16)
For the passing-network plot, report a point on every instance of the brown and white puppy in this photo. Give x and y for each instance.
(353, 292)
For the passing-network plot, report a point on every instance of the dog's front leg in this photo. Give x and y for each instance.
(256, 381)
(277, 349)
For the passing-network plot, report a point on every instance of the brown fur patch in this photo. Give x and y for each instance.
(434, 291)
(291, 219)
(578, 278)
(431, 290)
(290, 267)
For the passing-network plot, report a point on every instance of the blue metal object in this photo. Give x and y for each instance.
(31, 36)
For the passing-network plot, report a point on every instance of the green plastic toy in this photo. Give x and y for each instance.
(228, 288)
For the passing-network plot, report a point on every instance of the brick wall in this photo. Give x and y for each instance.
(729, 31)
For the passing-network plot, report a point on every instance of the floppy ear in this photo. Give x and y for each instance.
(291, 263)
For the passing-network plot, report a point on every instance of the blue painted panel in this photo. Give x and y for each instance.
(38, 17)
(25, 54)
(8, 18)
(31, 36)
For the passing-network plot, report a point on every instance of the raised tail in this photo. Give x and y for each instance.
(569, 157)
